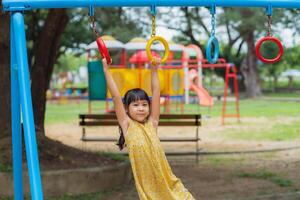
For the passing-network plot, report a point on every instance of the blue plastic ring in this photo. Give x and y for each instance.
(212, 41)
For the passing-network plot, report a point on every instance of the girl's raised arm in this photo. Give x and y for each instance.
(122, 117)
(155, 103)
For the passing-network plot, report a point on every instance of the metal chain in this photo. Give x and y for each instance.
(213, 24)
(153, 26)
(269, 26)
(93, 26)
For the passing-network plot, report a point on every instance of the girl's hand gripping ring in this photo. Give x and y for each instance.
(103, 50)
(148, 48)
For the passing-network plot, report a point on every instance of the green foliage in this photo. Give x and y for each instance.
(289, 60)
(69, 62)
(115, 22)
(267, 175)
(291, 57)
(34, 21)
(291, 20)
(109, 21)
(246, 20)
(112, 21)
(77, 32)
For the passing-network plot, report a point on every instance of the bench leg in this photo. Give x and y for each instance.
(197, 145)
(90, 107)
(83, 142)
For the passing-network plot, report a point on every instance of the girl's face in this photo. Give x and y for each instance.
(139, 110)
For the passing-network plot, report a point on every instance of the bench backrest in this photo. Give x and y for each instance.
(165, 120)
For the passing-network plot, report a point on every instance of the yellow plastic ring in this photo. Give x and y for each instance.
(164, 42)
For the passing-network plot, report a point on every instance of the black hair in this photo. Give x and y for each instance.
(130, 96)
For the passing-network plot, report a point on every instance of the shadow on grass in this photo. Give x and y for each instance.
(269, 176)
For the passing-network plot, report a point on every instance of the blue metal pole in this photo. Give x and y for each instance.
(15, 121)
(14, 5)
(26, 105)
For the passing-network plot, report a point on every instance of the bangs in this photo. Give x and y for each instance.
(135, 95)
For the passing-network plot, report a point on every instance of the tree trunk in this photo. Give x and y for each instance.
(290, 84)
(275, 83)
(5, 125)
(45, 57)
(249, 69)
(5, 115)
(52, 154)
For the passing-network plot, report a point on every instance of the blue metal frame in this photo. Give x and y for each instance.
(16, 125)
(13, 5)
(21, 85)
(21, 102)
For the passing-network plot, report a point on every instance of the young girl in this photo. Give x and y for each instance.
(138, 119)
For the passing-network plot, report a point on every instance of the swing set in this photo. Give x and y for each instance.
(21, 102)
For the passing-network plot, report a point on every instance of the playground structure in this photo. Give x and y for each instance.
(64, 93)
(135, 74)
(21, 102)
(177, 76)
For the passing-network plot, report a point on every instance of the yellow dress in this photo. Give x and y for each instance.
(153, 176)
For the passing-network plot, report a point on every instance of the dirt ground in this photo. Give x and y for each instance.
(219, 174)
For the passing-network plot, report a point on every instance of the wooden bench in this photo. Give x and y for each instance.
(92, 120)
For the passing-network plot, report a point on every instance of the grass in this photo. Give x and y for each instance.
(283, 95)
(269, 176)
(217, 161)
(68, 113)
(282, 83)
(91, 196)
(281, 119)
(265, 108)
(249, 108)
(114, 156)
(271, 132)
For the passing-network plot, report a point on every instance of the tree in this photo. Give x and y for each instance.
(56, 35)
(45, 56)
(46, 41)
(270, 50)
(290, 61)
(5, 125)
(69, 62)
(242, 29)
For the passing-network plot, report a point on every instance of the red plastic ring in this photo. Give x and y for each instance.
(103, 50)
(261, 41)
